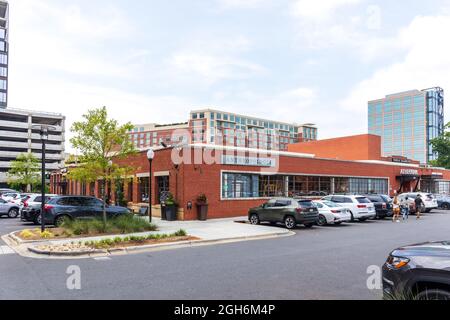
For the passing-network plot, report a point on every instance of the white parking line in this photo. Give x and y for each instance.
(6, 250)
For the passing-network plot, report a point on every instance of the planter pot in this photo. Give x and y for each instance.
(202, 212)
(171, 213)
(163, 212)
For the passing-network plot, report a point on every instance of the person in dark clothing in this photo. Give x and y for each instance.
(419, 203)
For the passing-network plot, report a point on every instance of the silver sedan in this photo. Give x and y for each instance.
(9, 209)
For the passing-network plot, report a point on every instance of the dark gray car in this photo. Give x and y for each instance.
(77, 207)
(418, 272)
(291, 212)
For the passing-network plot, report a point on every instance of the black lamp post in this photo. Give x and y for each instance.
(150, 157)
(43, 131)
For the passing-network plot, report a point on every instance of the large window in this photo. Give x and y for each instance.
(144, 189)
(235, 186)
(241, 185)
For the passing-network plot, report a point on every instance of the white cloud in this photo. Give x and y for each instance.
(242, 4)
(210, 60)
(426, 64)
(319, 9)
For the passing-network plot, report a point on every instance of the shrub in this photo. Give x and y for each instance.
(46, 235)
(180, 233)
(26, 234)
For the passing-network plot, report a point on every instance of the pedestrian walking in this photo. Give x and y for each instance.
(405, 208)
(419, 203)
(396, 209)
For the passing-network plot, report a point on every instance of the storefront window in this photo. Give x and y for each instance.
(237, 186)
(143, 189)
(272, 186)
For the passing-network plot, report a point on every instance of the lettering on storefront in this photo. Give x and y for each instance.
(248, 161)
(409, 172)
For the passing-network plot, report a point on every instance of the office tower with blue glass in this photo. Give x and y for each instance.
(407, 122)
(4, 49)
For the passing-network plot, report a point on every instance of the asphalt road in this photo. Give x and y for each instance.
(321, 263)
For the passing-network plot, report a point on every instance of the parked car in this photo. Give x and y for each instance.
(360, 207)
(291, 212)
(383, 205)
(331, 213)
(420, 272)
(428, 199)
(9, 209)
(3, 191)
(31, 209)
(443, 201)
(60, 208)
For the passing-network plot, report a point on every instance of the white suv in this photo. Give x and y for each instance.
(360, 207)
(428, 199)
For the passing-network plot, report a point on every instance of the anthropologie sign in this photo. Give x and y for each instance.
(409, 172)
(248, 161)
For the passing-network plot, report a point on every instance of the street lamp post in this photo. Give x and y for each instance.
(150, 157)
(43, 131)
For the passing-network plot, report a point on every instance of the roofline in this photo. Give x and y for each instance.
(254, 117)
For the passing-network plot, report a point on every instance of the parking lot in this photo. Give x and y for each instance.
(321, 263)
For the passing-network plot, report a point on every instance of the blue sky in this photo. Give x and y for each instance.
(291, 60)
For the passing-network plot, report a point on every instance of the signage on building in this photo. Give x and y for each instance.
(409, 172)
(248, 161)
(400, 160)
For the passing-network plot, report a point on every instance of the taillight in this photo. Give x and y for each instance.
(299, 210)
(384, 206)
(362, 206)
(48, 207)
(25, 204)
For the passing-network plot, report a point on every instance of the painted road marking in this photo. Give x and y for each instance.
(6, 250)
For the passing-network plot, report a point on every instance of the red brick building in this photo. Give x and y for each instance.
(235, 179)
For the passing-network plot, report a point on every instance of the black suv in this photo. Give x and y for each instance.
(418, 272)
(77, 207)
(383, 205)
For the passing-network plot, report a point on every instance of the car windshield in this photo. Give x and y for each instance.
(363, 200)
(306, 204)
(386, 198)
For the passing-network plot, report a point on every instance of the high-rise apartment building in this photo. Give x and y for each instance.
(225, 128)
(18, 136)
(4, 56)
(407, 122)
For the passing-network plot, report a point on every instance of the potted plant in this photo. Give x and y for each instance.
(171, 208)
(202, 207)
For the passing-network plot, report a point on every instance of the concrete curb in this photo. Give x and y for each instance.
(159, 246)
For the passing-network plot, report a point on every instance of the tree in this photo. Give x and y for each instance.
(25, 172)
(441, 145)
(99, 140)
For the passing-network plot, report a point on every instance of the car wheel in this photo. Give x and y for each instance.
(37, 220)
(60, 220)
(290, 222)
(445, 206)
(254, 219)
(322, 221)
(434, 294)
(13, 213)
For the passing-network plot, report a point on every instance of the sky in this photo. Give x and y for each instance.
(153, 61)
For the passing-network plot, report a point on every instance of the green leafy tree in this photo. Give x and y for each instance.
(99, 140)
(25, 172)
(441, 145)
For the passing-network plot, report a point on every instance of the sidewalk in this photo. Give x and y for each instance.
(208, 232)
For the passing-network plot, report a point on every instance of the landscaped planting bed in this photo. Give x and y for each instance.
(90, 228)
